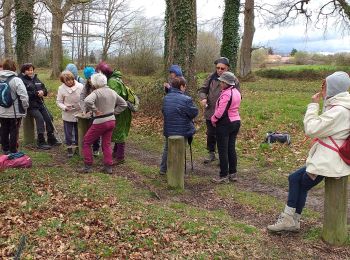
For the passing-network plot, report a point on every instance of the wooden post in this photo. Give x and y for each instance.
(335, 231)
(83, 126)
(176, 161)
(28, 130)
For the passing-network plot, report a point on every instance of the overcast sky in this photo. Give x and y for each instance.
(280, 39)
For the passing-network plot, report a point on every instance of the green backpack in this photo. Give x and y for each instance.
(132, 100)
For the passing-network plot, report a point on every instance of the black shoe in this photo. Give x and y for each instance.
(210, 158)
(52, 140)
(70, 152)
(108, 169)
(41, 143)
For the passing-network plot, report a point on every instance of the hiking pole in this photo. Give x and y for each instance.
(185, 161)
(191, 157)
(51, 120)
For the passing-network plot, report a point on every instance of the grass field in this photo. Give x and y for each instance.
(133, 215)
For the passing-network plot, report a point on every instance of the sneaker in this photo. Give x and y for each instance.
(85, 169)
(108, 169)
(232, 177)
(70, 152)
(220, 180)
(96, 153)
(285, 222)
(211, 158)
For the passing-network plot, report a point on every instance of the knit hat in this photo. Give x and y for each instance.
(222, 60)
(98, 80)
(176, 69)
(72, 68)
(104, 68)
(337, 83)
(88, 71)
(228, 78)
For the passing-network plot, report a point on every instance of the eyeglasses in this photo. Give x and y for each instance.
(220, 68)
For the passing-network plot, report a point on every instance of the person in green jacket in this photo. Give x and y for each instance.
(123, 120)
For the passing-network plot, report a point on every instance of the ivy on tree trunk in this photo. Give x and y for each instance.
(230, 37)
(24, 11)
(181, 37)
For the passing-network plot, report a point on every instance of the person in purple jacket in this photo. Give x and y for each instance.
(227, 121)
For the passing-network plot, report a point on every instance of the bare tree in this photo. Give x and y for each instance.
(247, 39)
(59, 10)
(7, 8)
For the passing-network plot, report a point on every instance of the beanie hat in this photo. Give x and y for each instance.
(104, 68)
(228, 78)
(222, 60)
(337, 83)
(176, 69)
(98, 80)
(72, 68)
(88, 71)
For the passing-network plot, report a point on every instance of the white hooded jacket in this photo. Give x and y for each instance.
(334, 122)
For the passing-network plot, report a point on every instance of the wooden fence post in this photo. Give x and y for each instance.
(83, 126)
(28, 130)
(335, 230)
(176, 161)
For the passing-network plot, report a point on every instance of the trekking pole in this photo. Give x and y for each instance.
(185, 161)
(191, 157)
(51, 120)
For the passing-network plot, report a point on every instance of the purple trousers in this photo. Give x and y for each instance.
(104, 131)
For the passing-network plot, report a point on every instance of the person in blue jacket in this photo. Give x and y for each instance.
(178, 111)
(174, 71)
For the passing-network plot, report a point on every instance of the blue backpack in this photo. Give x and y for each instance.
(5, 93)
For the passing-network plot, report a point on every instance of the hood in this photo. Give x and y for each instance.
(337, 82)
(72, 68)
(176, 69)
(6, 73)
(342, 99)
(117, 74)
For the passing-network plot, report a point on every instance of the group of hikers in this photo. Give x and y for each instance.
(104, 96)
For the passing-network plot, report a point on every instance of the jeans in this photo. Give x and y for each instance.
(9, 133)
(96, 131)
(42, 119)
(211, 136)
(163, 164)
(299, 184)
(226, 134)
(70, 133)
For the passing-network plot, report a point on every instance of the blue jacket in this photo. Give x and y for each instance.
(179, 112)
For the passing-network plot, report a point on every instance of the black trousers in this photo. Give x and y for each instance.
(9, 133)
(211, 136)
(42, 119)
(226, 134)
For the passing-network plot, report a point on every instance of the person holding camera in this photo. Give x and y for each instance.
(227, 121)
(323, 161)
(208, 95)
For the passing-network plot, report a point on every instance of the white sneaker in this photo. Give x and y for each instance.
(285, 222)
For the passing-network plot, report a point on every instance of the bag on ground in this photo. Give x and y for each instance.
(273, 137)
(15, 160)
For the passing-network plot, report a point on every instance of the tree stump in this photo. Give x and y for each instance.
(83, 126)
(28, 130)
(176, 161)
(335, 231)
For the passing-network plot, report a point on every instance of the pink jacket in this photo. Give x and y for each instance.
(222, 102)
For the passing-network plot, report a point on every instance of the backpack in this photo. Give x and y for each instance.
(273, 137)
(343, 150)
(132, 100)
(5, 93)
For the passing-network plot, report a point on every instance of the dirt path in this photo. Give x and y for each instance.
(203, 195)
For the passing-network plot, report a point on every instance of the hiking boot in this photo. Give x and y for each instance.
(285, 221)
(162, 172)
(86, 169)
(220, 180)
(211, 158)
(297, 221)
(52, 140)
(232, 177)
(70, 152)
(41, 143)
(108, 169)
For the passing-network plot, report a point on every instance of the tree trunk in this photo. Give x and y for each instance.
(181, 37)
(56, 45)
(230, 36)
(24, 33)
(7, 29)
(247, 40)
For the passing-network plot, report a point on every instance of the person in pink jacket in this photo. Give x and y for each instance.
(227, 121)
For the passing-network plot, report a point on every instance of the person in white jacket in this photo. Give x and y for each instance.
(332, 123)
(68, 97)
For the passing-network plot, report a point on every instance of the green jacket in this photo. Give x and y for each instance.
(121, 130)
